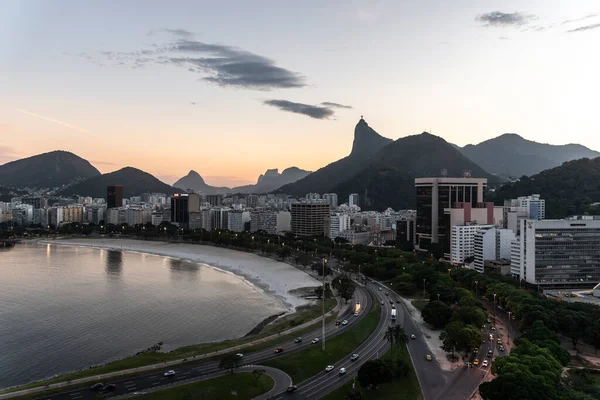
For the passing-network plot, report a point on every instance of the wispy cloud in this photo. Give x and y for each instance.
(317, 112)
(502, 19)
(56, 121)
(184, 33)
(216, 63)
(593, 15)
(334, 105)
(504, 38)
(103, 163)
(585, 28)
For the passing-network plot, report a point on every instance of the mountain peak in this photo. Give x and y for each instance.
(194, 175)
(366, 141)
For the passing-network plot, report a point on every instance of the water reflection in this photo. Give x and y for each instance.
(183, 270)
(113, 264)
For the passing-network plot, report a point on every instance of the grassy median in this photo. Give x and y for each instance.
(306, 363)
(304, 315)
(404, 388)
(239, 386)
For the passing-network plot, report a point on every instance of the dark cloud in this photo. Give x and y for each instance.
(585, 28)
(334, 105)
(220, 64)
(580, 19)
(502, 19)
(299, 108)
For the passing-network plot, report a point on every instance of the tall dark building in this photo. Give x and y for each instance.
(436, 194)
(215, 200)
(181, 205)
(310, 219)
(114, 196)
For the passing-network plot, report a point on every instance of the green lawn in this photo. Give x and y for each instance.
(419, 304)
(299, 318)
(405, 388)
(239, 386)
(306, 363)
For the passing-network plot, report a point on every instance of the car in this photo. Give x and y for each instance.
(493, 328)
(109, 388)
(491, 337)
(413, 337)
(342, 371)
(97, 387)
(476, 362)
(483, 327)
(392, 302)
(386, 293)
(345, 322)
(398, 301)
(315, 340)
(279, 350)
(357, 303)
(169, 373)
(337, 322)
(380, 288)
(393, 306)
(500, 348)
(484, 363)
(499, 341)
(382, 302)
(329, 368)
(291, 388)
(298, 340)
(354, 357)
(138, 393)
(428, 357)
(490, 353)
(476, 351)
(356, 314)
(240, 355)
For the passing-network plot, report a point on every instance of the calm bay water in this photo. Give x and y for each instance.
(65, 308)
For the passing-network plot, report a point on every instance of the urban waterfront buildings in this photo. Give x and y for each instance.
(114, 196)
(310, 219)
(491, 244)
(353, 200)
(181, 206)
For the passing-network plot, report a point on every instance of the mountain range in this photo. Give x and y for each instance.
(267, 182)
(47, 170)
(510, 155)
(382, 171)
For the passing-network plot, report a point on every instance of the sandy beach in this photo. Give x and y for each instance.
(275, 278)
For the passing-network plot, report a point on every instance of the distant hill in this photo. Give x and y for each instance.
(267, 182)
(568, 189)
(389, 179)
(47, 170)
(366, 143)
(135, 182)
(510, 155)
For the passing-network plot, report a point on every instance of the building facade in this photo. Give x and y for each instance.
(114, 196)
(332, 199)
(353, 200)
(491, 243)
(310, 219)
(462, 241)
(338, 223)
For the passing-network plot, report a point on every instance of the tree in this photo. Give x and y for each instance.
(402, 368)
(437, 314)
(450, 337)
(345, 287)
(390, 337)
(400, 335)
(257, 373)
(230, 362)
(373, 373)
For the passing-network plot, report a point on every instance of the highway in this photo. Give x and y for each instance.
(195, 370)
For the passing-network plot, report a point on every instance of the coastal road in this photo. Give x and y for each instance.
(374, 347)
(185, 372)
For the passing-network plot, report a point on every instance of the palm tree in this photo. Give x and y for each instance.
(400, 335)
(390, 336)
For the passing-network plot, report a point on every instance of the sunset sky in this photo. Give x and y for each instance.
(233, 88)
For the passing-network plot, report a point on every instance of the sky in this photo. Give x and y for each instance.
(230, 89)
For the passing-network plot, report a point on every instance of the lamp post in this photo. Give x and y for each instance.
(494, 309)
(438, 297)
(476, 288)
(508, 329)
(323, 306)
(423, 287)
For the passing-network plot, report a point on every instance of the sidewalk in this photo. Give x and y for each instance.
(339, 308)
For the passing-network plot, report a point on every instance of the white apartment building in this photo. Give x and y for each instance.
(55, 216)
(157, 218)
(491, 244)
(272, 222)
(338, 224)
(207, 216)
(558, 252)
(313, 196)
(138, 216)
(332, 199)
(220, 218)
(237, 220)
(353, 200)
(462, 243)
(535, 206)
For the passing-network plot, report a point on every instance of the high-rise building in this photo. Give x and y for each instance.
(310, 219)
(332, 199)
(436, 194)
(271, 222)
(73, 213)
(235, 222)
(181, 206)
(338, 223)
(462, 245)
(252, 200)
(114, 196)
(313, 196)
(558, 252)
(491, 244)
(220, 218)
(35, 201)
(215, 200)
(55, 216)
(353, 200)
(406, 230)
(521, 208)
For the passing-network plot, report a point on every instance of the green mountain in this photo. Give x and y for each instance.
(135, 182)
(510, 155)
(568, 189)
(389, 178)
(47, 170)
(366, 143)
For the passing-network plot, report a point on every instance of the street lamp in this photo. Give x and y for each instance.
(438, 297)
(323, 306)
(423, 287)
(494, 309)
(476, 287)
(508, 329)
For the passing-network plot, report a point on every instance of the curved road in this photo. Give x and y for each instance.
(193, 370)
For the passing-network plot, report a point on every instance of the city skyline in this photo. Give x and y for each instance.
(224, 90)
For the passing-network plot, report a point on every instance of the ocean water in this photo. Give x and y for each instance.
(65, 308)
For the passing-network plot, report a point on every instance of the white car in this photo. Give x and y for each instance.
(356, 314)
(315, 340)
(354, 357)
(240, 355)
(342, 371)
(329, 368)
(344, 322)
(169, 373)
(413, 337)
(485, 363)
